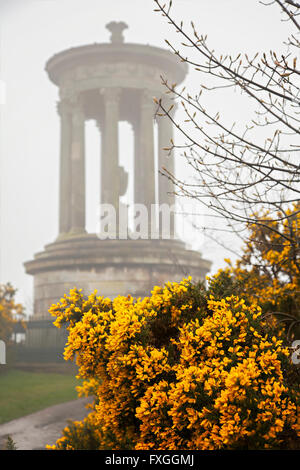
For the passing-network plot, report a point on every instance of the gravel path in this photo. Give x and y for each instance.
(34, 431)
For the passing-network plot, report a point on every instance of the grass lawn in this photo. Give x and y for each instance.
(22, 393)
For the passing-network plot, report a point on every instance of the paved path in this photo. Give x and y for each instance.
(34, 431)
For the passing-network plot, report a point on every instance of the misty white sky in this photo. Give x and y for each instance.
(31, 31)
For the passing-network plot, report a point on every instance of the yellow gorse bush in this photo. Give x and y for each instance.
(10, 311)
(179, 369)
(268, 272)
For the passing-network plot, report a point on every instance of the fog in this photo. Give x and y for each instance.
(34, 30)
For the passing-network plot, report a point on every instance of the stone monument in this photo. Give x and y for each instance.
(109, 83)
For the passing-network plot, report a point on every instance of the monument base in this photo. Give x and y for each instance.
(112, 267)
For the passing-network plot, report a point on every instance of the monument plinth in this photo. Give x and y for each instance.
(109, 83)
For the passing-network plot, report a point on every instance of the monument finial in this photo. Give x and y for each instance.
(116, 28)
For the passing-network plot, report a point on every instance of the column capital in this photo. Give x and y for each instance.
(147, 100)
(73, 103)
(111, 95)
(167, 103)
(99, 123)
(63, 106)
(77, 110)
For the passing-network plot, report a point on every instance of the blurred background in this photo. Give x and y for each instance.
(31, 31)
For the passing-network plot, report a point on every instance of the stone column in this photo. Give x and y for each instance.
(64, 111)
(110, 179)
(144, 178)
(138, 186)
(78, 168)
(166, 160)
